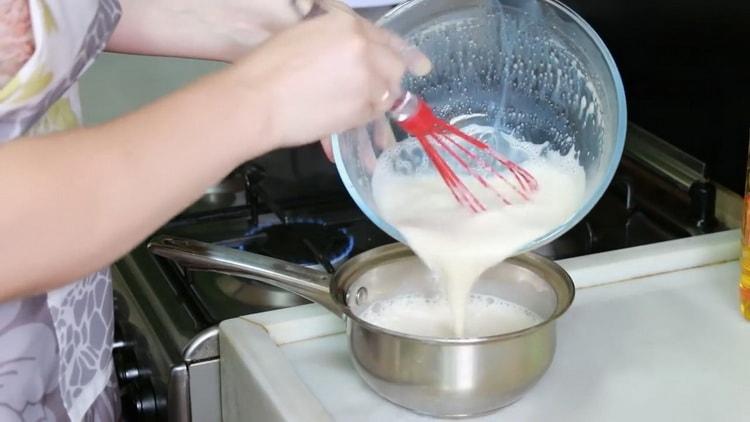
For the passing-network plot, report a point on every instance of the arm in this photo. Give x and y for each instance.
(74, 202)
(205, 29)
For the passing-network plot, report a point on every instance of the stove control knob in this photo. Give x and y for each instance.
(126, 365)
(121, 309)
(140, 403)
(703, 205)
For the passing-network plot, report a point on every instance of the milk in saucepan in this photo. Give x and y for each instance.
(432, 317)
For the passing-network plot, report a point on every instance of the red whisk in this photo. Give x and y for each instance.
(415, 117)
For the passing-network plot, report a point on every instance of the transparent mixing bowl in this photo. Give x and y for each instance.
(529, 68)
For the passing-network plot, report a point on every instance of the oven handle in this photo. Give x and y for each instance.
(191, 254)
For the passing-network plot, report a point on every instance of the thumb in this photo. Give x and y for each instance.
(327, 147)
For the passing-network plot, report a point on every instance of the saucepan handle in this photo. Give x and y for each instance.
(191, 254)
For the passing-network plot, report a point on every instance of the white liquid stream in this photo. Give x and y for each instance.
(458, 245)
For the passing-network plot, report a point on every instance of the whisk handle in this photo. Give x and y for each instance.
(405, 107)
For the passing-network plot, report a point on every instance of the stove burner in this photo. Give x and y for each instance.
(303, 242)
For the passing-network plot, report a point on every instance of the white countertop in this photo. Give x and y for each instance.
(654, 333)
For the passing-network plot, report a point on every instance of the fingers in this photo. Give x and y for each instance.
(327, 147)
(376, 61)
(382, 134)
(303, 7)
(416, 62)
(390, 68)
(388, 64)
(336, 6)
(315, 8)
(382, 138)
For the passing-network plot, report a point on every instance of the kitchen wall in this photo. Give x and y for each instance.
(118, 83)
(686, 72)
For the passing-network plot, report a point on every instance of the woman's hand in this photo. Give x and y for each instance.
(215, 29)
(326, 75)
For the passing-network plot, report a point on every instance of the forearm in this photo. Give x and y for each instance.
(75, 202)
(193, 28)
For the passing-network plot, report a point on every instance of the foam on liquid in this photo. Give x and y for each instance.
(458, 245)
(432, 317)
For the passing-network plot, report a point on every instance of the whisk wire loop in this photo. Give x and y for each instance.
(415, 117)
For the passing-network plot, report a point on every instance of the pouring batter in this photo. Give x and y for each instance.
(458, 245)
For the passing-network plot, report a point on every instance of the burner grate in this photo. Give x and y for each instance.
(306, 242)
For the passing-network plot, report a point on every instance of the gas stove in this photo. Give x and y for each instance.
(291, 205)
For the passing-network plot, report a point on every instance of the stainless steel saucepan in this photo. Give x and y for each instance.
(446, 377)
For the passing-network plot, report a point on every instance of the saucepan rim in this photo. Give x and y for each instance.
(349, 272)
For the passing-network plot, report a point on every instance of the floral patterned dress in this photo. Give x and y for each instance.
(55, 348)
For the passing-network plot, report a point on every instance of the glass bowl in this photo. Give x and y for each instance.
(532, 69)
